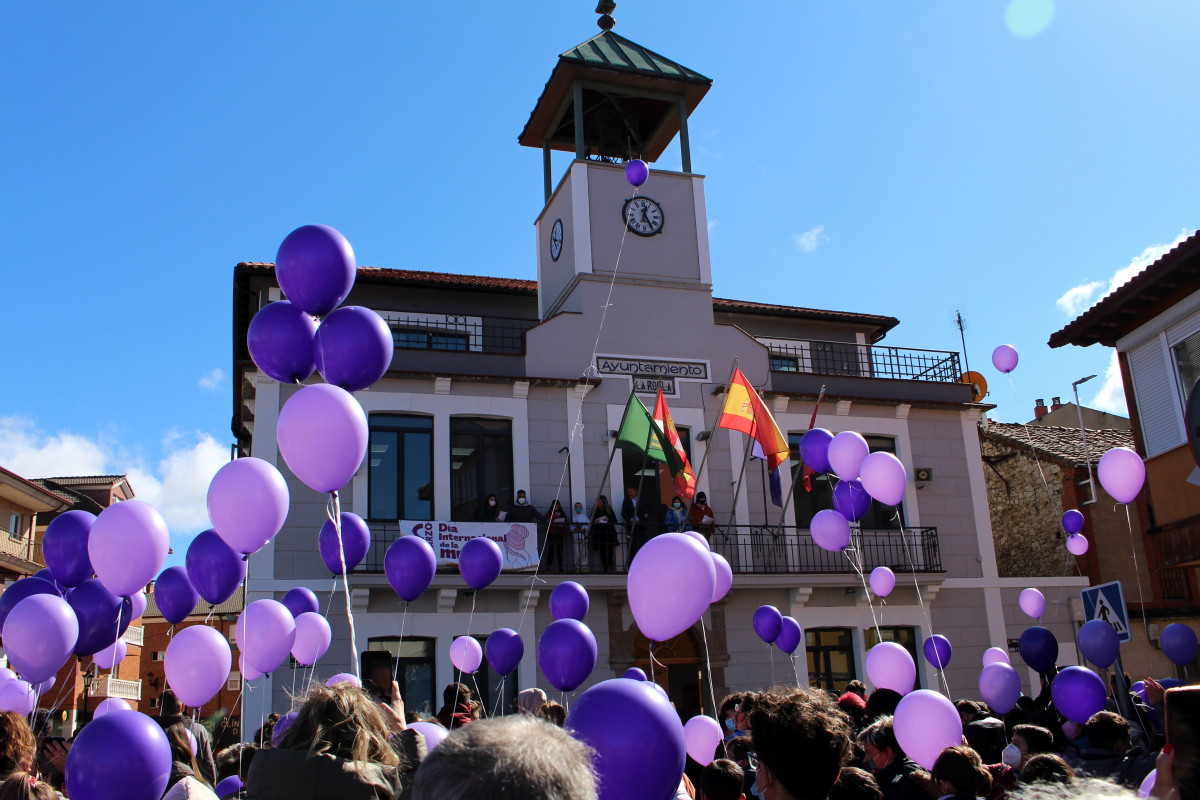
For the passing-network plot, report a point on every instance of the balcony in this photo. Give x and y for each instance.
(457, 333)
(19, 553)
(135, 635)
(108, 686)
(863, 360)
(1180, 543)
(749, 549)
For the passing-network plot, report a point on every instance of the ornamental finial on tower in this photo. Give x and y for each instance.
(605, 8)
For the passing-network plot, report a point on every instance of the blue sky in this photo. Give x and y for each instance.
(896, 158)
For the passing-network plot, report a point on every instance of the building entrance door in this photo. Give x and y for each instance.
(679, 668)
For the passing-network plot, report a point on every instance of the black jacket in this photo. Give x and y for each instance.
(895, 783)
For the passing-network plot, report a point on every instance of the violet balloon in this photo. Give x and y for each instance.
(433, 733)
(1099, 642)
(353, 348)
(504, 650)
(851, 500)
(138, 602)
(1078, 693)
(636, 172)
(65, 547)
(814, 449)
(995, 655)
(265, 633)
(356, 541)
(197, 664)
(315, 268)
(884, 477)
(925, 724)
(18, 591)
(890, 666)
(128, 545)
(1072, 521)
(847, 452)
(1005, 358)
(1178, 643)
(1000, 687)
(830, 530)
(790, 634)
(344, 677)
(174, 594)
(670, 584)
(119, 757)
(569, 600)
(1077, 544)
(635, 674)
(280, 340)
(39, 636)
(410, 565)
(18, 696)
(301, 600)
(249, 673)
(701, 737)
(1032, 602)
(480, 562)
(322, 434)
(313, 636)
(643, 760)
(1039, 649)
(281, 727)
(768, 623)
(111, 656)
(465, 654)
(1122, 473)
(47, 575)
(229, 786)
(111, 704)
(937, 650)
(723, 574)
(214, 568)
(102, 616)
(247, 503)
(566, 652)
(883, 580)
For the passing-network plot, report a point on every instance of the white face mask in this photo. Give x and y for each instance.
(521, 501)
(1011, 755)
(491, 502)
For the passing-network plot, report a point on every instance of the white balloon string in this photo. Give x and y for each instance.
(458, 683)
(334, 510)
(479, 694)
(1137, 573)
(712, 690)
(796, 670)
(499, 695)
(858, 568)
(912, 564)
(400, 644)
(1032, 447)
(771, 651)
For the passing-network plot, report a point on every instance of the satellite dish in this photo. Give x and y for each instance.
(977, 382)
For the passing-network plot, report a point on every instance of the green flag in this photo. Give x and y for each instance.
(637, 428)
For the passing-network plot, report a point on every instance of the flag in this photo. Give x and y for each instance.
(744, 411)
(775, 481)
(683, 478)
(639, 433)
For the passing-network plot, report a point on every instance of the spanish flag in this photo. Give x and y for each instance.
(683, 477)
(744, 411)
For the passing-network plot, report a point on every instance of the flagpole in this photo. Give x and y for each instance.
(638, 523)
(612, 454)
(738, 489)
(812, 423)
(708, 447)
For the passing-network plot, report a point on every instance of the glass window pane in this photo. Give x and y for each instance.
(481, 464)
(418, 476)
(417, 688)
(412, 340)
(383, 477)
(1187, 358)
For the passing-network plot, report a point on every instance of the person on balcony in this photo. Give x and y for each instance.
(523, 511)
(489, 511)
(701, 517)
(580, 522)
(677, 517)
(633, 514)
(556, 536)
(604, 532)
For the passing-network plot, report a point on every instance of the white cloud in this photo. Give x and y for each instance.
(211, 379)
(1079, 298)
(811, 239)
(32, 454)
(1111, 397)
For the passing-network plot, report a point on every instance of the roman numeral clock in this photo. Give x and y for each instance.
(643, 216)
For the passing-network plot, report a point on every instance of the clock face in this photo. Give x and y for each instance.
(556, 239)
(643, 216)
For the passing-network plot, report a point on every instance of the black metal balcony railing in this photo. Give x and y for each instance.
(749, 549)
(459, 333)
(864, 360)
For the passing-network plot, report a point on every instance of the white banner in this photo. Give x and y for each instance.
(517, 540)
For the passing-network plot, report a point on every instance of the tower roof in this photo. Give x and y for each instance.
(611, 50)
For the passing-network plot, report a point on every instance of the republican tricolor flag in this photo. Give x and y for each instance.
(745, 411)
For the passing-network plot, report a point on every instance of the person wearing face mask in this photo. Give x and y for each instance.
(729, 715)
(580, 522)
(523, 511)
(490, 512)
(883, 757)
(677, 517)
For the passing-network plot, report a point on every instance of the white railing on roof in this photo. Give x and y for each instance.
(136, 634)
(108, 686)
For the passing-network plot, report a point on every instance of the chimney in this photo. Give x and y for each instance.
(1040, 409)
(1055, 403)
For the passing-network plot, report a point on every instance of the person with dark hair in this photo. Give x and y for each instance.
(603, 531)
(489, 511)
(701, 517)
(458, 707)
(855, 784)
(884, 759)
(556, 537)
(728, 715)
(1031, 740)
(170, 712)
(983, 731)
(676, 519)
(266, 731)
(183, 763)
(1047, 768)
(1108, 742)
(235, 760)
(801, 739)
(857, 687)
(958, 772)
(553, 713)
(722, 780)
(881, 703)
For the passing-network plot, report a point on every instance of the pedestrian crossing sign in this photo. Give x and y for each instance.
(1107, 602)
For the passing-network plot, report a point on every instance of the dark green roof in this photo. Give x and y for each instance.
(607, 49)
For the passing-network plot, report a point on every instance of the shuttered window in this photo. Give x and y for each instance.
(1187, 361)
(1159, 412)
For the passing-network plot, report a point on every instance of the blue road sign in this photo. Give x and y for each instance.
(1107, 602)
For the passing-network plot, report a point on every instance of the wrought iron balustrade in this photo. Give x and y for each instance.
(460, 333)
(863, 360)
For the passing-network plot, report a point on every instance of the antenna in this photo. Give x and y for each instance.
(961, 324)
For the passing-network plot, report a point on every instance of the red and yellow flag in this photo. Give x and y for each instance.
(745, 411)
(684, 478)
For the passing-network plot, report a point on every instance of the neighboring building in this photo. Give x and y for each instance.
(23, 507)
(1067, 415)
(499, 384)
(1153, 321)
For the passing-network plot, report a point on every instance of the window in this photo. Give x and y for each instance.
(400, 475)
(413, 666)
(481, 463)
(486, 683)
(157, 655)
(817, 494)
(235, 681)
(881, 517)
(830, 658)
(1187, 361)
(14, 526)
(905, 637)
(423, 339)
(785, 363)
(154, 702)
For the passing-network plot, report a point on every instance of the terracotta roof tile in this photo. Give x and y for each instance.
(83, 480)
(233, 605)
(1064, 444)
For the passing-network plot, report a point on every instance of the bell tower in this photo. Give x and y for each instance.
(608, 101)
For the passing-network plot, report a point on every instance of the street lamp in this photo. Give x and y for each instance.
(1083, 432)
(88, 677)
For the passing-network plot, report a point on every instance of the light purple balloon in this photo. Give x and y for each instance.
(111, 704)
(249, 673)
(44, 686)
(1000, 687)
(313, 636)
(1033, 603)
(114, 654)
(890, 666)
(883, 580)
(18, 696)
(433, 733)
(884, 477)
(1077, 544)
(344, 677)
(925, 724)
(6, 676)
(699, 537)
(1147, 786)
(1004, 358)
(265, 633)
(315, 268)
(724, 576)
(128, 546)
(192, 743)
(847, 452)
(701, 736)
(1122, 473)
(322, 434)
(39, 636)
(465, 654)
(197, 664)
(247, 503)
(995, 655)
(670, 584)
(353, 348)
(138, 601)
(830, 530)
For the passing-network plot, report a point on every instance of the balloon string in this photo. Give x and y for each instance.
(400, 644)
(458, 683)
(916, 585)
(771, 651)
(858, 567)
(334, 512)
(712, 691)
(499, 695)
(796, 670)
(1137, 573)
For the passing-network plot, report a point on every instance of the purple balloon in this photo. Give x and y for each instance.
(174, 594)
(128, 545)
(566, 652)
(937, 650)
(410, 565)
(569, 600)
(281, 727)
(280, 340)
(884, 477)
(109, 657)
(814, 449)
(1000, 686)
(433, 733)
(97, 610)
(214, 568)
(1078, 693)
(480, 562)
(790, 635)
(890, 666)
(504, 650)
(702, 737)
(65, 547)
(636, 172)
(247, 503)
(119, 757)
(197, 664)
(18, 696)
(110, 705)
(26, 587)
(1099, 642)
(830, 530)
(315, 268)
(847, 452)
(1039, 649)
(356, 541)
(925, 724)
(1178, 643)
(265, 633)
(1004, 358)
(642, 760)
(1122, 473)
(353, 348)
(344, 677)
(724, 576)
(635, 674)
(671, 582)
(301, 600)
(47, 575)
(995, 655)
(768, 622)
(883, 580)
(1077, 544)
(322, 434)
(313, 636)
(1072, 521)
(138, 602)
(39, 636)
(851, 500)
(1032, 602)
(232, 784)
(466, 655)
